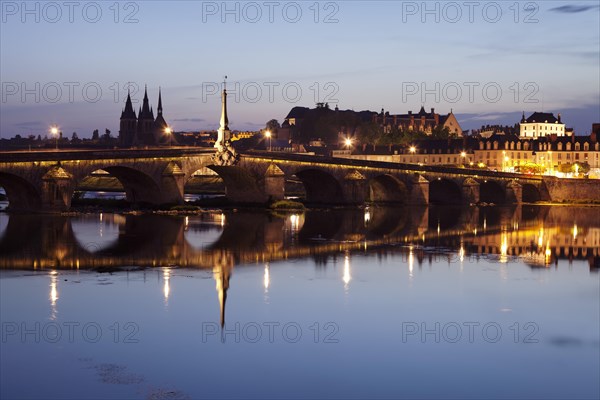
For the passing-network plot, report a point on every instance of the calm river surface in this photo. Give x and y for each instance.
(365, 303)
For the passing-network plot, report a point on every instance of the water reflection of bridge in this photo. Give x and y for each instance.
(38, 242)
(219, 241)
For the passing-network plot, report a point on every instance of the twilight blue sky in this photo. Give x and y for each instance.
(70, 63)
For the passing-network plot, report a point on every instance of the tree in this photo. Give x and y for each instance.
(370, 133)
(576, 168)
(106, 138)
(440, 132)
(273, 126)
(74, 137)
(95, 135)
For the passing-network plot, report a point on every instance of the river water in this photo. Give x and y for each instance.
(364, 303)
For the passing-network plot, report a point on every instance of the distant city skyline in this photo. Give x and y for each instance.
(488, 61)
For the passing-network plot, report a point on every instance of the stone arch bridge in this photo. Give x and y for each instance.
(46, 181)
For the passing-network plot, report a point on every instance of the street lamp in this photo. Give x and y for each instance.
(54, 132)
(348, 143)
(412, 149)
(268, 135)
(463, 155)
(169, 132)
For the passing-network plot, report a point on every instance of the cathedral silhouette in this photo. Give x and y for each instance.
(143, 130)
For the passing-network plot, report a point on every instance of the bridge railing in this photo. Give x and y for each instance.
(93, 154)
(391, 165)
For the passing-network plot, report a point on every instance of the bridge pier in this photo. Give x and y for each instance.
(172, 183)
(274, 183)
(419, 191)
(470, 191)
(514, 192)
(355, 188)
(57, 190)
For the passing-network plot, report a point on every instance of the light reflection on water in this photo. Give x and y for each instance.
(486, 302)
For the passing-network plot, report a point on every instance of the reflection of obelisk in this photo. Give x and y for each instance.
(225, 154)
(222, 274)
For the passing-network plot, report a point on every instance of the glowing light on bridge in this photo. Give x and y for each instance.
(367, 216)
(575, 232)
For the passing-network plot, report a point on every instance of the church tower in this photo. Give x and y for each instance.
(128, 124)
(160, 125)
(145, 126)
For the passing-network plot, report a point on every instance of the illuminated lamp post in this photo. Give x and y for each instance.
(268, 135)
(54, 132)
(169, 132)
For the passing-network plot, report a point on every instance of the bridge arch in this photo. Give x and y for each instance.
(387, 189)
(321, 187)
(444, 191)
(531, 193)
(138, 185)
(204, 180)
(492, 192)
(21, 193)
(241, 185)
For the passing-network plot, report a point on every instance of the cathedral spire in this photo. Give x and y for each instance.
(159, 109)
(146, 104)
(128, 111)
